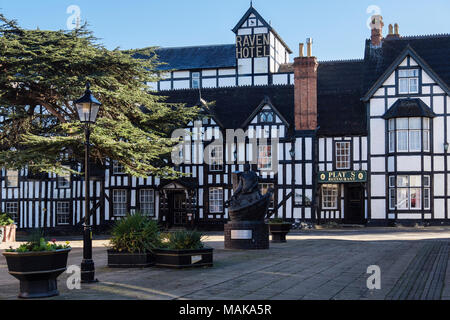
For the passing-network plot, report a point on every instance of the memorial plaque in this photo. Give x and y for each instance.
(241, 234)
(195, 259)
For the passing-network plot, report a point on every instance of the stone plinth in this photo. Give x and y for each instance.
(247, 235)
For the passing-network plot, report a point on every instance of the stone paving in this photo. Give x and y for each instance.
(313, 265)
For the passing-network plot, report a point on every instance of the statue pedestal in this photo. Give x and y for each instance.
(246, 235)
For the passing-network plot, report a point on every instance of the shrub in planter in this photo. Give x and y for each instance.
(132, 243)
(7, 228)
(37, 264)
(183, 249)
(279, 229)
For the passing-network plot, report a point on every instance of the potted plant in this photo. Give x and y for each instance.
(133, 240)
(7, 228)
(183, 249)
(279, 229)
(36, 265)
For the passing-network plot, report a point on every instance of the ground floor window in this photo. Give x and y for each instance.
(264, 188)
(120, 203)
(409, 192)
(63, 213)
(330, 194)
(216, 200)
(12, 209)
(147, 202)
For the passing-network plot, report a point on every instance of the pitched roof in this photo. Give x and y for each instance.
(199, 57)
(409, 108)
(340, 109)
(433, 49)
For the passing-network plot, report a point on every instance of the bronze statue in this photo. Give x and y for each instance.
(247, 203)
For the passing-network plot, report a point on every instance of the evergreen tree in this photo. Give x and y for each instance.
(42, 72)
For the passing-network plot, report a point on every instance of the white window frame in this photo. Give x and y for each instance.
(395, 188)
(410, 76)
(63, 213)
(265, 157)
(330, 197)
(195, 83)
(405, 134)
(12, 209)
(120, 202)
(12, 178)
(216, 200)
(147, 202)
(117, 168)
(341, 153)
(216, 159)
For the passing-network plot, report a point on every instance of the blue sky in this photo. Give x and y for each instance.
(338, 27)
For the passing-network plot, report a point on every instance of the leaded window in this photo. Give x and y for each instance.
(120, 203)
(216, 159)
(63, 213)
(215, 200)
(330, 196)
(12, 209)
(265, 157)
(343, 155)
(147, 202)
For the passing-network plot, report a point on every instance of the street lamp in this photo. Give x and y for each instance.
(87, 107)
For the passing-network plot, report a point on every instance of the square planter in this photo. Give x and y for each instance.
(37, 271)
(184, 258)
(130, 260)
(279, 231)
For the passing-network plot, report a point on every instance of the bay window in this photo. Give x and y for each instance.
(409, 135)
(409, 192)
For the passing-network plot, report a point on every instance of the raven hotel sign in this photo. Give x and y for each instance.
(252, 46)
(342, 176)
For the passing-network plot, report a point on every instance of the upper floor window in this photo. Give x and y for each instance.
(408, 81)
(216, 159)
(12, 178)
(118, 167)
(195, 80)
(265, 157)
(267, 116)
(409, 135)
(343, 155)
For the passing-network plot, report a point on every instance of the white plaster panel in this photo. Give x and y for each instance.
(439, 189)
(409, 163)
(209, 83)
(438, 133)
(377, 107)
(181, 84)
(378, 209)
(378, 165)
(181, 74)
(245, 81)
(378, 185)
(377, 129)
(439, 209)
(227, 82)
(439, 164)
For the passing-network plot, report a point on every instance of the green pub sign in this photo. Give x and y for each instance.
(342, 176)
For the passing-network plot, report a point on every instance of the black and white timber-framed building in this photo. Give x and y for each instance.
(358, 141)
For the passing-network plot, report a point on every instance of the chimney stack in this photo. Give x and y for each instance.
(377, 31)
(305, 91)
(396, 30)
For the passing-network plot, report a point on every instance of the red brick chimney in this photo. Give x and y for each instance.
(305, 91)
(377, 31)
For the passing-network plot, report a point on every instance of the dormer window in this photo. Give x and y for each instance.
(408, 81)
(267, 117)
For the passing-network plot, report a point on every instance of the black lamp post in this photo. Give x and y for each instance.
(87, 108)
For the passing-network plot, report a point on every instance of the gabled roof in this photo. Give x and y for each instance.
(409, 108)
(340, 109)
(198, 57)
(252, 10)
(432, 53)
(266, 101)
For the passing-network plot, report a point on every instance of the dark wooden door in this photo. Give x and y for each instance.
(179, 209)
(354, 205)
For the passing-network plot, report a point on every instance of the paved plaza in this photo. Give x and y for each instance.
(312, 265)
